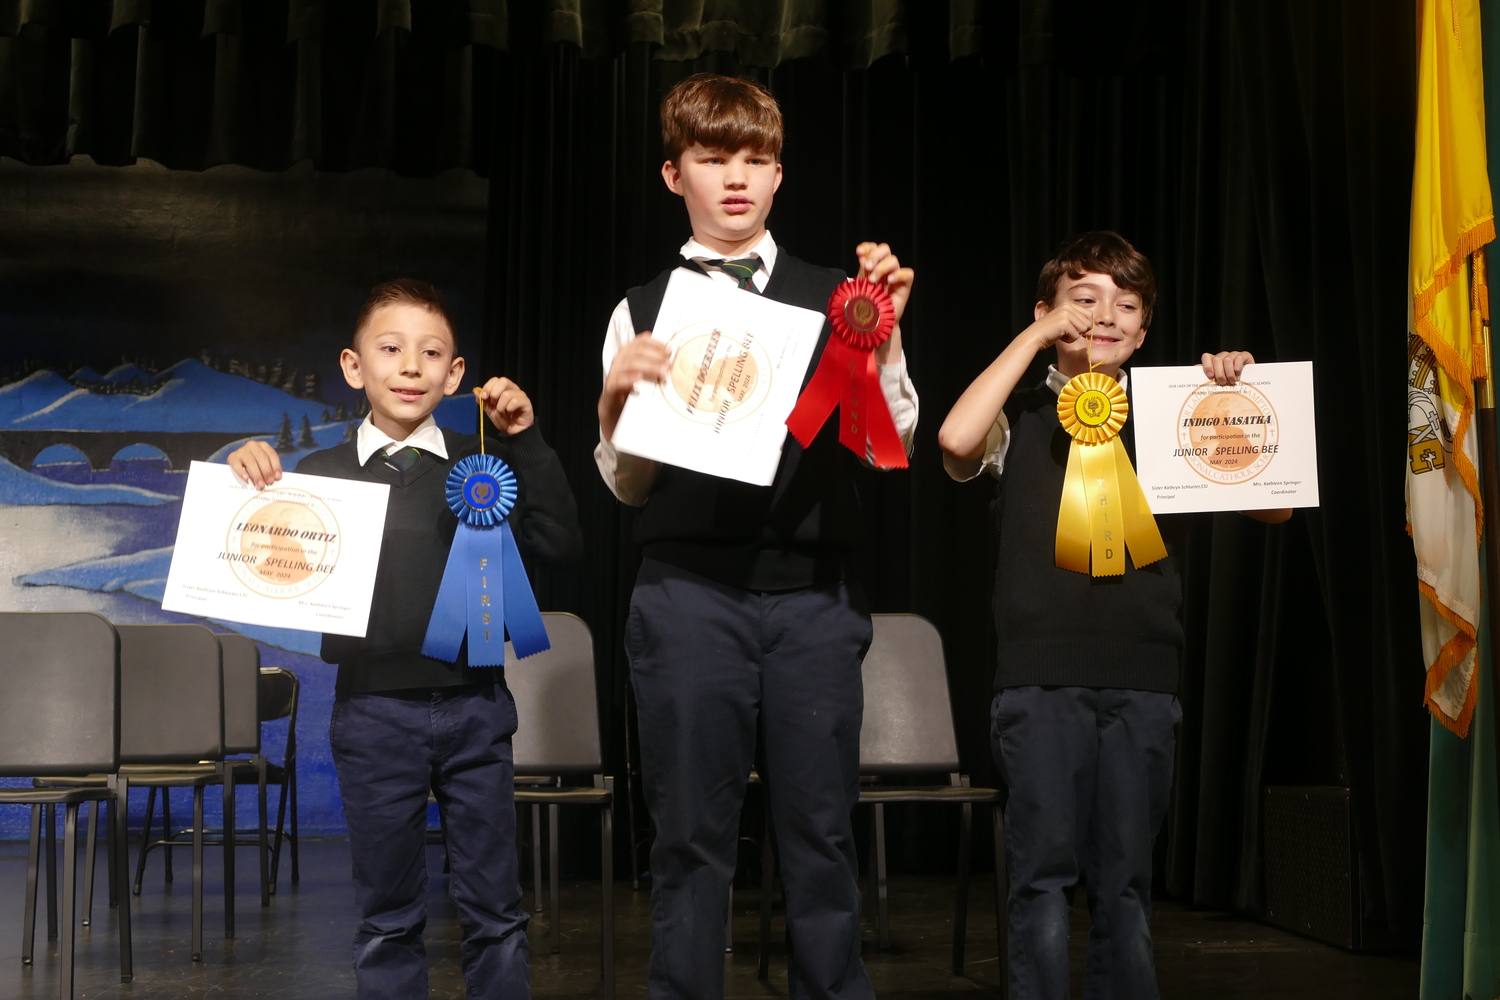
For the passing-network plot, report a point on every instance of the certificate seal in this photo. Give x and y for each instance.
(283, 543)
(1227, 434)
(719, 374)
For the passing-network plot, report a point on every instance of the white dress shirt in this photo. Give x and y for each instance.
(997, 440)
(629, 477)
(370, 439)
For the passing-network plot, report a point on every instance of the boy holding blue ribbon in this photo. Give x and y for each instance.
(411, 713)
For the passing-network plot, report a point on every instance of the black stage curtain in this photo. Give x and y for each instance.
(1259, 151)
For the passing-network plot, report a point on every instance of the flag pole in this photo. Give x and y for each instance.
(1489, 465)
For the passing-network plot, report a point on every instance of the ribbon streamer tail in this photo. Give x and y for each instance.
(885, 443)
(817, 400)
(445, 630)
(1141, 532)
(528, 635)
(1072, 549)
(1101, 479)
(485, 583)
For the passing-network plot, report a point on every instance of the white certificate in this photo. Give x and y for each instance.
(300, 554)
(738, 360)
(1200, 446)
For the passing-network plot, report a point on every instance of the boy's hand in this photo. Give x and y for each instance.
(644, 359)
(1225, 367)
(878, 264)
(1065, 323)
(508, 408)
(256, 462)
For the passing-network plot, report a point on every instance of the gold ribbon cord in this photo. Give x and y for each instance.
(1103, 509)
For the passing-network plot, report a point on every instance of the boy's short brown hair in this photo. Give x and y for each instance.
(403, 292)
(720, 112)
(1101, 252)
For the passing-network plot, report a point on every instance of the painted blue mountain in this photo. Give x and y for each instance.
(126, 373)
(36, 391)
(86, 374)
(324, 436)
(144, 574)
(194, 398)
(17, 486)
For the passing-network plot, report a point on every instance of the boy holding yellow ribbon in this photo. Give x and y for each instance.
(1085, 714)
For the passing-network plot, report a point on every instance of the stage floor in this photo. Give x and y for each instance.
(299, 948)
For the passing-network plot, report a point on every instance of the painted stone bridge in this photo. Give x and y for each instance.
(21, 447)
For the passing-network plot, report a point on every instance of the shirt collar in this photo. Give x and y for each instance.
(1056, 379)
(428, 437)
(765, 249)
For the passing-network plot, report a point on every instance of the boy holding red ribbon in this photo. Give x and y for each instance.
(1085, 714)
(406, 721)
(746, 629)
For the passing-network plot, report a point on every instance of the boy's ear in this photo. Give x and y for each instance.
(671, 173)
(455, 376)
(1042, 309)
(349, 362)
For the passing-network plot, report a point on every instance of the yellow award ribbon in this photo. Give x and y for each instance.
(1103, 509)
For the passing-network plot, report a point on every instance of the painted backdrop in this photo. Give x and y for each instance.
(149, 318)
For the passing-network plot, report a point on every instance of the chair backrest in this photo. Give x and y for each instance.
(908, 725)
(279, 690)
(171, 694)
(60, 712)
(241, 693)
(555, 701)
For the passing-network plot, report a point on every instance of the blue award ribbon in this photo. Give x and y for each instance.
(485, 592)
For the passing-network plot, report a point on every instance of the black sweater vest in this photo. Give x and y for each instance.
(419, 529)
(804, 528)
(1060, 628)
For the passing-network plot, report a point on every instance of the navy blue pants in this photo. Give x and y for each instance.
(1089, 773)
(389, 751)
(716, 671)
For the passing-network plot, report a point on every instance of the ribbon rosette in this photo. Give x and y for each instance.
(1103, 509)
(847, 377)
(484, 591)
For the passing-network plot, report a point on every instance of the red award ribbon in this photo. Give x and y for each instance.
(847, 377)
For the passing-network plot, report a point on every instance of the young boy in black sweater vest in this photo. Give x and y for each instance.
(1085, 714)
(404, 723)
(746, 631)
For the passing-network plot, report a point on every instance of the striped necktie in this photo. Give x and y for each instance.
(403, 458)
(742, 271)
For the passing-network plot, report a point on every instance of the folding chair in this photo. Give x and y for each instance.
(907, 732)
(61, 715)
(558, 736)
(171, 715)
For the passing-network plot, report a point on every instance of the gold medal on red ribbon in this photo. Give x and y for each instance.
(1103, 510)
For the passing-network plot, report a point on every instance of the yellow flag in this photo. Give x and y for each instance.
(1451, 217)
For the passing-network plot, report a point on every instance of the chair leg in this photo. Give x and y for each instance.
(197, 873)
(536, 858)
(729, 920)
(229, 819)
(140, 865)
(166, 830)
(607, 916)
(1002, 897)
(49, 820)
(296, 831)
(554, 887)
(961, 888)
(263, 843)
(69, 901)
(112, 853)
(280, 831)
(767, 890)
(882, 913)
(119, 812)
(90, 847)
(33, 858)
